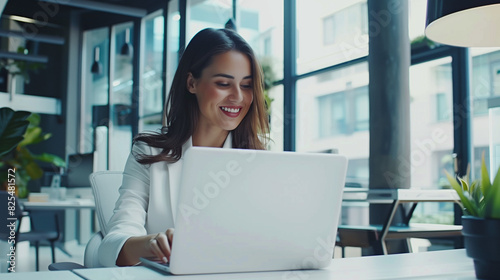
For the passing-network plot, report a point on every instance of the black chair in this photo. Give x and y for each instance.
(15, 216)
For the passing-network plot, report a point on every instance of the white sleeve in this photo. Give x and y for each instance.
(129, 217)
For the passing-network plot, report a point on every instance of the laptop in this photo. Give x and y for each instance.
(247, 210)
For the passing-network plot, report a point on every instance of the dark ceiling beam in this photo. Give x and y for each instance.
(38, 38)
(102, 7)
(25, 57)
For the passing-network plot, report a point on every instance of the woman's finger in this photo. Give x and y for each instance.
(164, 246)
(170, 236)
(155, 248)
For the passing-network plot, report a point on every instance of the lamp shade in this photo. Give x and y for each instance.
(127, 48)
(464, 23)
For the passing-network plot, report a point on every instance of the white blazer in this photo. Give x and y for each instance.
(147, 202)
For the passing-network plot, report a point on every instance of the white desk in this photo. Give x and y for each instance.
(82, 206)
(450, 264)
(395, 197)
(40, 275)
(59, 204)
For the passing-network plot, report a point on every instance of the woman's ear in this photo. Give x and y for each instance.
(191, 83)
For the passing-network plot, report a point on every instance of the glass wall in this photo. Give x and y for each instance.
(431, 130)
(120, 125)
(332, 106)
(417, 16)
(172, 52)
(431, 124)
(152, 95)
(485, 86)
(332, 116)
(330, 32)
(203, 14)
(260, 23)
(94, 97)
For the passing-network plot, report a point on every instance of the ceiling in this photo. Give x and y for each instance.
(36, 9)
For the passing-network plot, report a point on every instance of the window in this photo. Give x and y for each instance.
(330, 32)
(341, 25)
(431, 141)
(485, 86)
(332, 115)
(260, 23)
(152, 95)
(442, 108)
(94, 96)
(343, 112)
(206, 13)
(361, 109)
(485, 81)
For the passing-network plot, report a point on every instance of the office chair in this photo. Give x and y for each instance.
(105, 185)
(32, 236)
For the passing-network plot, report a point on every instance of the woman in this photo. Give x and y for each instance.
(216, 100)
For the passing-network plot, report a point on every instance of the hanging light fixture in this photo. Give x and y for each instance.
(464, 23)
(96, 66)
(230, 24)
(127, 48)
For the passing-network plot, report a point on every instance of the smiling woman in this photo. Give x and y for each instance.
(221, 58)
(216, 100)
(224, 93)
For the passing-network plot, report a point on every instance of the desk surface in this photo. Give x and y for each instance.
(73, 203)
(449, 264)
(402, 195)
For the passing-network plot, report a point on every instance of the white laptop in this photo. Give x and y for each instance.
(246, 210)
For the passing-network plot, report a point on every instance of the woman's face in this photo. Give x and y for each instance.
(224, 91)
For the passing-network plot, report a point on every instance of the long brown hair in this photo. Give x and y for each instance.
(182, 111)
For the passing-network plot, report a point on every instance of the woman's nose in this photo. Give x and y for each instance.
(236, 95)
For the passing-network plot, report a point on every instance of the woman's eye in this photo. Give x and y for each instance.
(246, 86)
(222, 84)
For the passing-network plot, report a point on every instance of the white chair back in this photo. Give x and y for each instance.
(105, 185)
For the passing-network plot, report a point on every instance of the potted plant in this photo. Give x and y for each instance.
(17, 131)
(269, 79)
(480, 202)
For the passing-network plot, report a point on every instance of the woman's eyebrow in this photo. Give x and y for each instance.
(229, 76)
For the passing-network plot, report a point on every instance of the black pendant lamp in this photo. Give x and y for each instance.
(96, 66)
(127, 48)
(464, 23)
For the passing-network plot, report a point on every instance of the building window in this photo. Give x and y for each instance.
(332, 115)
(485, 81)
(341, 25)
(442, 107)
(361, 112)
(343, 112)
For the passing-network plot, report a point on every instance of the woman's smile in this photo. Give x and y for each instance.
(224, 91)
(231, 111)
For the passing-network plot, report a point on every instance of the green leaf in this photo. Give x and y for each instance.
(13, 125)
(57, 161)
(33, 170)
(485, 178)
(32, 136)
(464, 196)
(493, 199)
(34, 120)
(475, 191)
(465, 185)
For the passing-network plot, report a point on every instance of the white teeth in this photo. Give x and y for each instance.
(231, 110)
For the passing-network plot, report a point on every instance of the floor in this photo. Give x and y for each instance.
(25, 260)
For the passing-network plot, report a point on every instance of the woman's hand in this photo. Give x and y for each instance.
(161, 245)
(153, 245)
